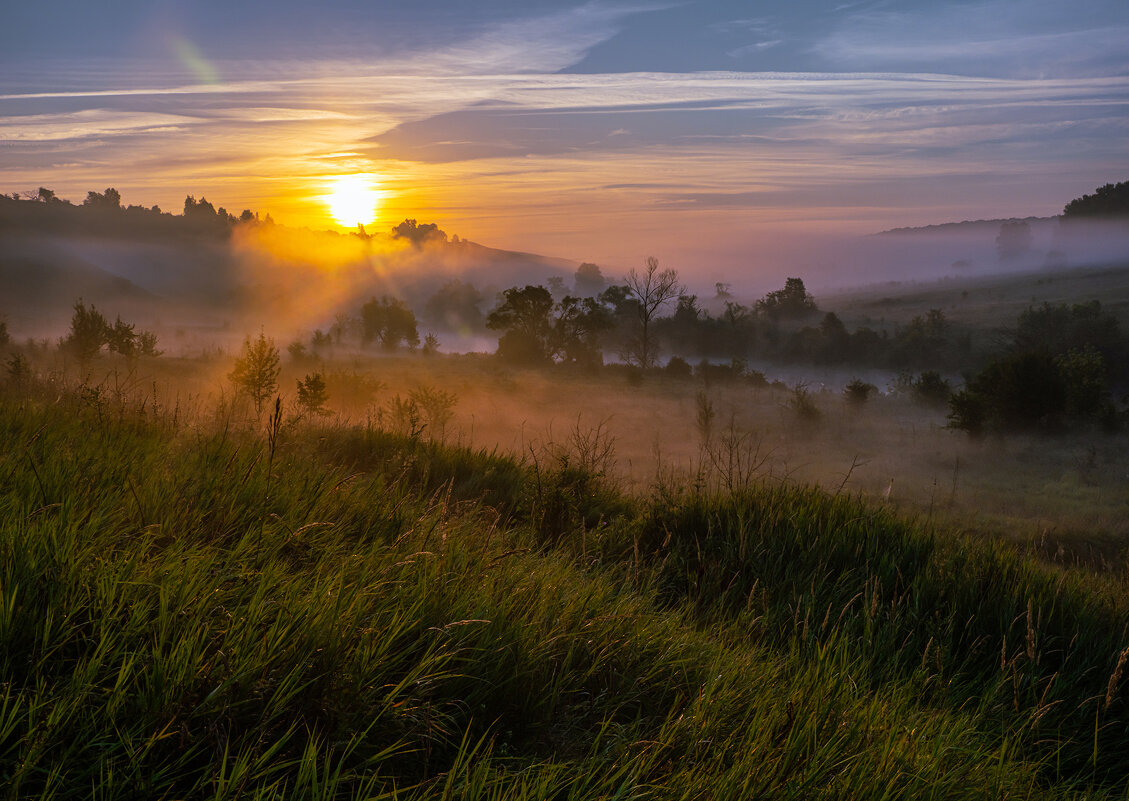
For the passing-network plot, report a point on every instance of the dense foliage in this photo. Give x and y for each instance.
(1059, 369)
(1108, 201)
(90, 332)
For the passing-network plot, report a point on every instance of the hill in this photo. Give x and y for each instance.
(337, 612)
(967, 226)
(219, 271)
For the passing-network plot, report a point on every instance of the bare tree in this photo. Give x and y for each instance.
(653, 290)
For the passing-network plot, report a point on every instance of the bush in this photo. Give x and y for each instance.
(312, 395)
(801, 404)
(437, 407)
(89, 332)
(857, 392)
(515, 347)
(256, 370)
(679, 368)
(930, 388)
(1017, 393)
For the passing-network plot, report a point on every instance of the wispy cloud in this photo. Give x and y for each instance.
(492, 130)
(1037, 38)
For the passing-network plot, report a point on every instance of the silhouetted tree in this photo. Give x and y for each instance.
(588, 281)
(390, 322)
(418, 234)
(835, 339)
(791, 301)
(313, 395)
(89, 332)
(523, 317)
(122, 338)
(536, 331)
(199, 209)
(577, 326)
(110, 199)
(654, 290)
(1109, 201)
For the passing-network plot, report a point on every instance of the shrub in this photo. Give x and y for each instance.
(297, 351)
(435, 406)
(678, 367)
(1016, 393)
(857, 392)
(930, 388)
(801, 404)
(256, 370)
(89, 332)
(313, 395)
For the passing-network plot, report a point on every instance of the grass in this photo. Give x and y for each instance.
(195, 609)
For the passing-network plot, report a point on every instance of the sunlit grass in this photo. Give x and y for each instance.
(185, 613)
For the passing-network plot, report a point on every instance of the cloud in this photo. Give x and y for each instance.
(493, 130)
(541, 44)
(1033, 39)
(88, 124)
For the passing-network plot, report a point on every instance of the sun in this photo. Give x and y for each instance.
(353, 199)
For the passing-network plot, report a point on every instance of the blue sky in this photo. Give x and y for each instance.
(595, 130)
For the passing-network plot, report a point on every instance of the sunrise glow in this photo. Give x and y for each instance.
(353, 200)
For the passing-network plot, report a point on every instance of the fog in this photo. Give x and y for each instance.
(836, 261)
(203, 296)
(291, 281)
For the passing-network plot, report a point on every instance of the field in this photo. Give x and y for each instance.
(1063, 491)
(577, 586)
(983, 305)
(467, 580)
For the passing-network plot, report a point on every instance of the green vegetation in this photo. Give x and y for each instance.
(256, 370)
(1057, 372)
(538, 332)
(390, 322)
(90, 332)
(313, 395)
(190, 609)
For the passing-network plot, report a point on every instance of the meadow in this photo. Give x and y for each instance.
(546, 585)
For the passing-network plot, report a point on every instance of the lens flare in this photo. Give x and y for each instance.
(353, 199)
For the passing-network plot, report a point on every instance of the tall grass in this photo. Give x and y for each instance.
(205, 611)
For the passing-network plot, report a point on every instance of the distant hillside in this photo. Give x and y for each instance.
(207, 267)
(968, 226)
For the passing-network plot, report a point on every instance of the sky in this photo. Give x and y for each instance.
(704, 132)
